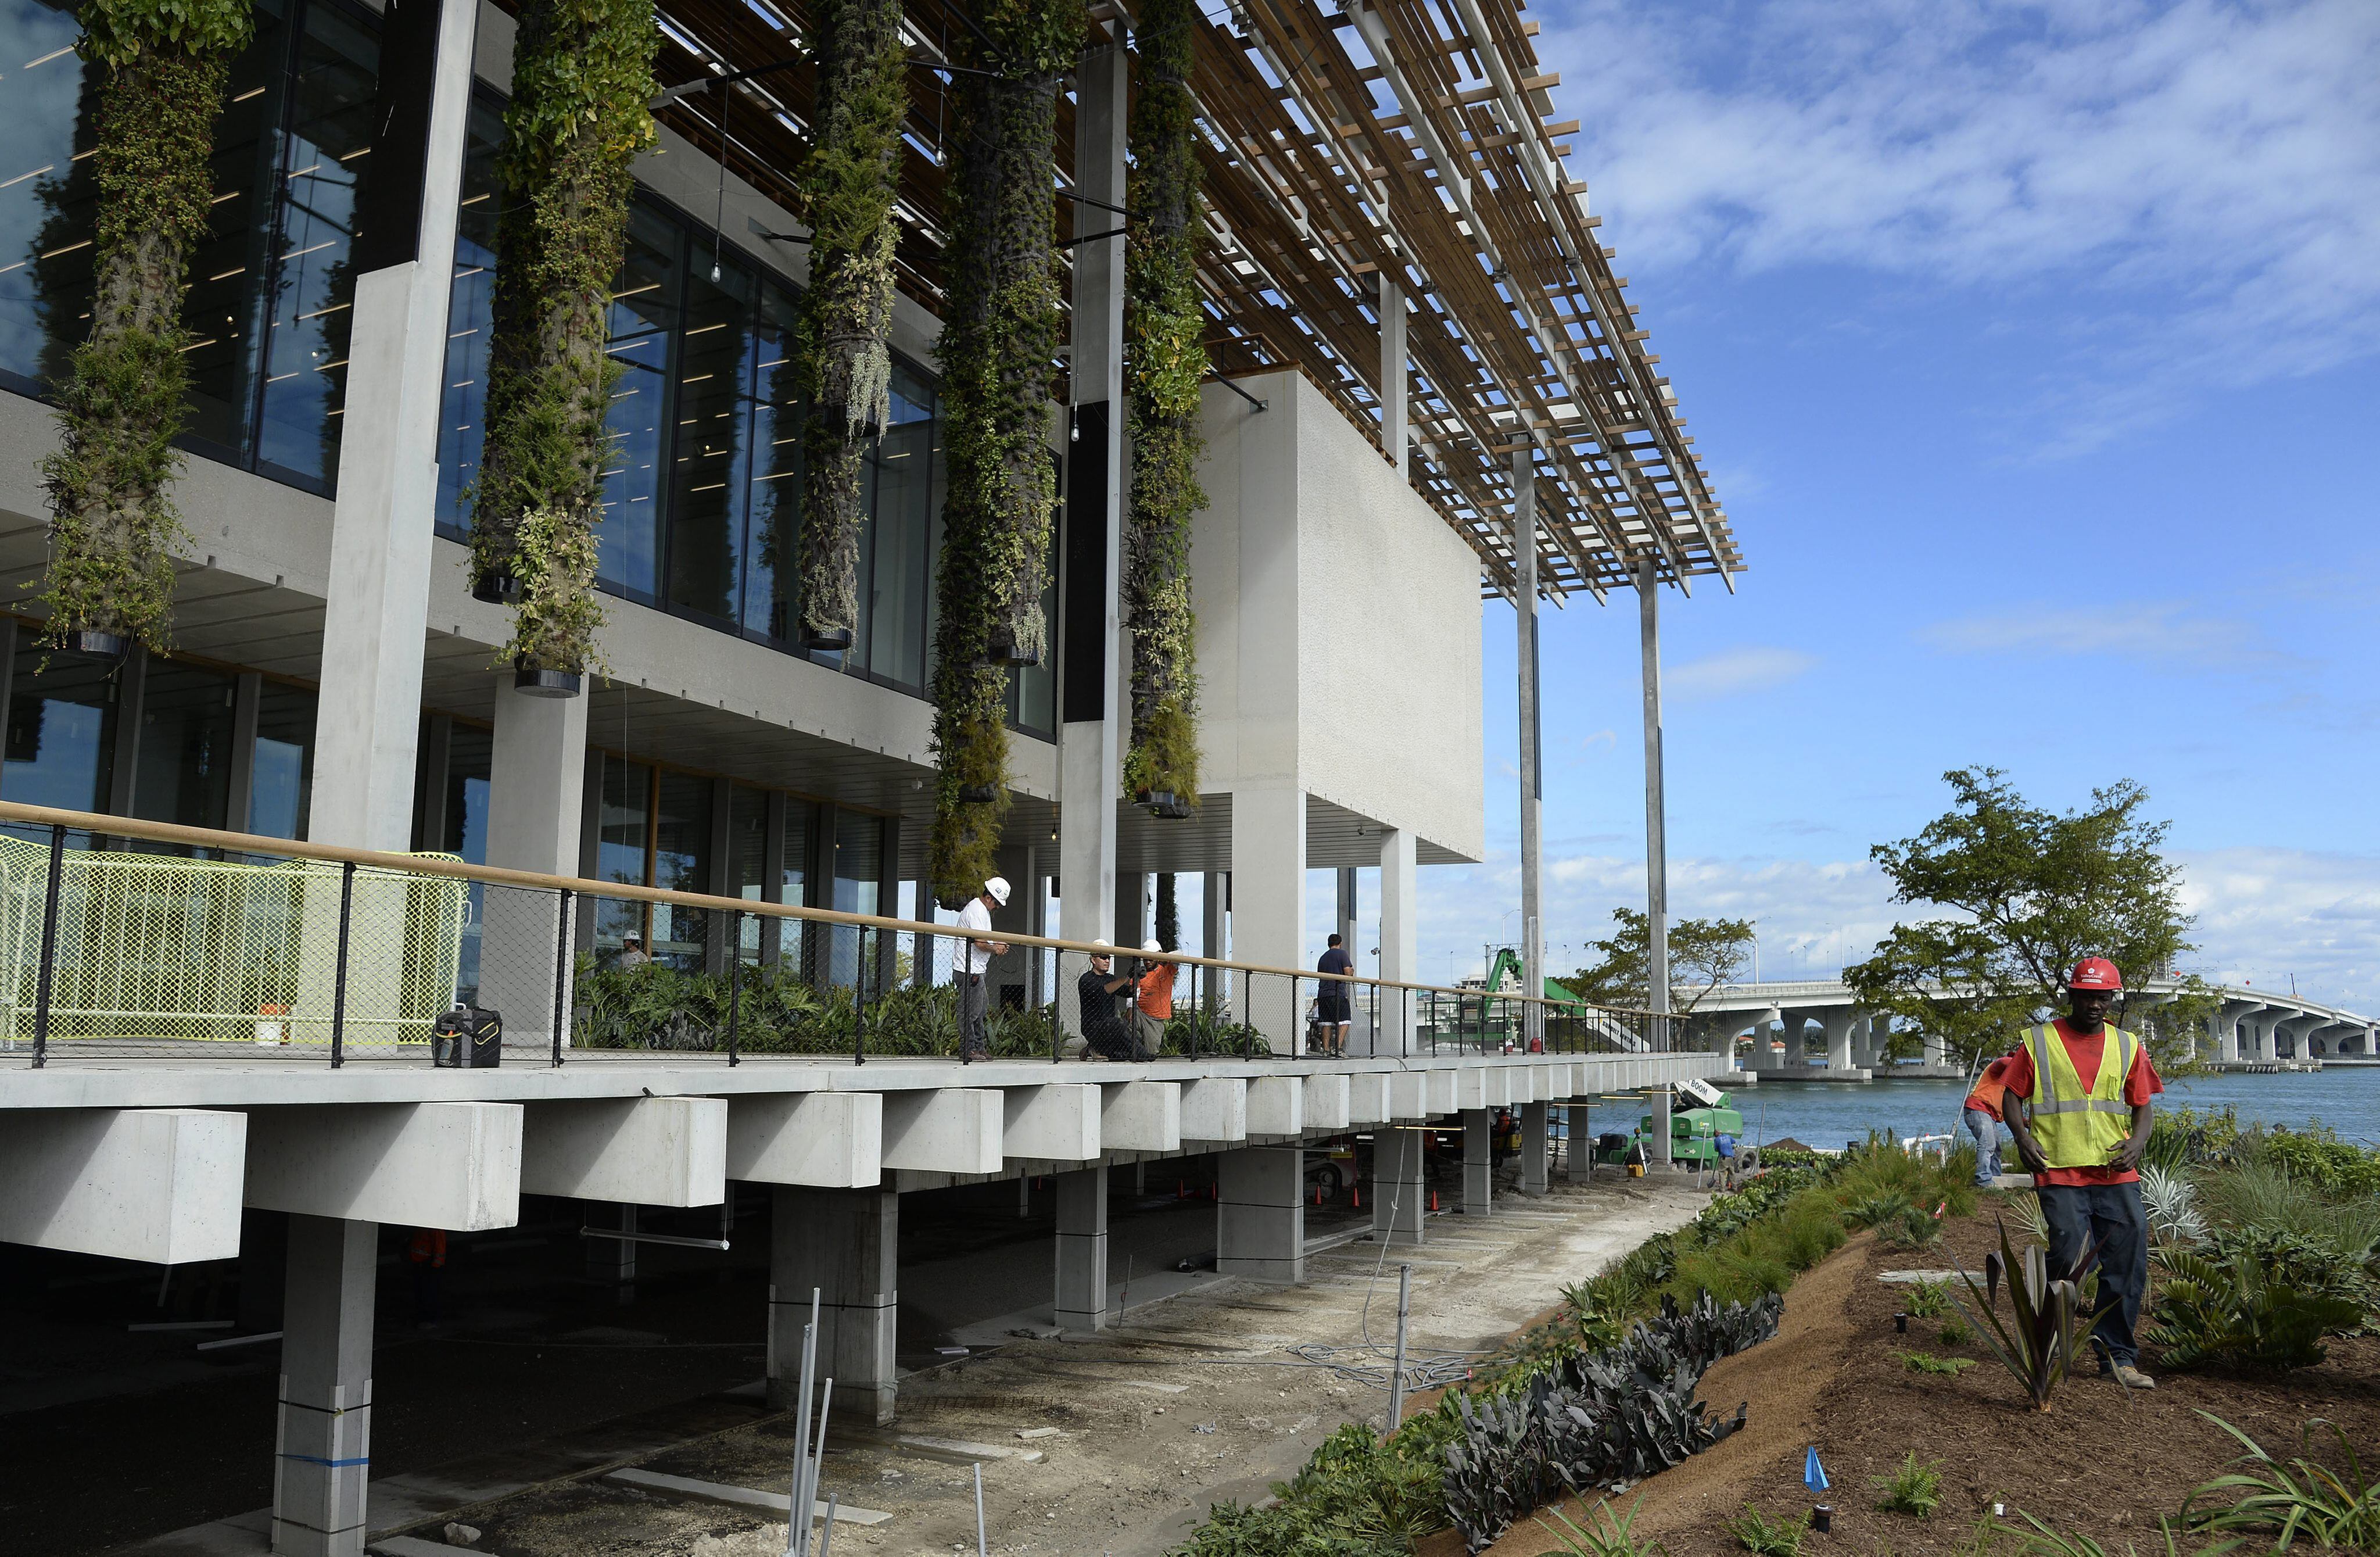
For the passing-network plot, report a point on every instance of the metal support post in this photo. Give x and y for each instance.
(1397, 1379)
(1533, 776)
(1657, 847)
(339, 970)
(735, 977)
(561, 968)
(48, 946)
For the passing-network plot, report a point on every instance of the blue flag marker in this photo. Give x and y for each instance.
(1814, 1475)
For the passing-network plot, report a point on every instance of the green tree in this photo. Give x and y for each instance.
(2030, 894)
(1703, 954)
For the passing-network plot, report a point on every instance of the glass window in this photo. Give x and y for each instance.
(800, 817)
(858, 873)
(622, 851)
(326, 132)
(747, 863)
(45, 191)
(644, 339)
(459, 432)
(681, 863)
(60, 747)
(282, 773)
(182, 766)
(470, 758)
(708, 472)
(773, 503)
(907, 495)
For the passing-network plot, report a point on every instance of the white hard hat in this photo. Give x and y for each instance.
(1100, 940)
(998, 887)
(1151, 946)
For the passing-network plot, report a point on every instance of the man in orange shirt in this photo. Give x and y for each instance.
(1152, 1001)
(2077, 1101)
(1982, 1112)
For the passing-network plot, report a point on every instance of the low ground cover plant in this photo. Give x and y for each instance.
(1926, 1362)
(1914, 1489)
(1763, 1536)
(2048, 1317)
(1605, 1534)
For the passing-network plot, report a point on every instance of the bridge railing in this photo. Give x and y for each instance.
(125, 938)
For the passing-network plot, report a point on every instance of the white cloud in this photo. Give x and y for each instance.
(2262, 914)
(2167, 635)
(2177, 193)
(1735, 671)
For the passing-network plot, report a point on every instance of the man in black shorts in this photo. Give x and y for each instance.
(1334, 1007)
(1103, 1033)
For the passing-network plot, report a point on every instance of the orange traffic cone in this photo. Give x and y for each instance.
(1182, 1190)
(1318, 1193)
(1359, 1196)
(1433, 1200)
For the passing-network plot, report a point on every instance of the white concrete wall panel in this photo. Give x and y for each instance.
(160, 1185)
(1276, 1105)
(1056, 1122)
(1140, 1116)
(1409, 1095)
(450, 1166)
(1326, 1102)
(830, 1140)
(1368, 1097)
(640, 1151)
(1215, 1109)
(944, 1129)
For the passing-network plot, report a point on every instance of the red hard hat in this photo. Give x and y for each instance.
(2094, 973)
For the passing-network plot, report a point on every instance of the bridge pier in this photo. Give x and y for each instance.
(1839, 1038)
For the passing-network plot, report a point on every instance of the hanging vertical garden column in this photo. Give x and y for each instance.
(1165, 362)
(162, 68)
(1000, 337)
(847, 359)
(582, 71)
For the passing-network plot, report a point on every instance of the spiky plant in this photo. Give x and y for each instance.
(1165, 362)
(162, 66)
(847, 313)
(1000, 337)
(2047, 1323)
(582, 71)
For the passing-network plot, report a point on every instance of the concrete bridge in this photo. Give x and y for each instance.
(2249, 1027)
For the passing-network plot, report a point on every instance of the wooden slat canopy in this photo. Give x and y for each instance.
(1406, 139)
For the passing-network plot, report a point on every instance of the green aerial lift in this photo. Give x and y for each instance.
(1508, 961)
(1694, 1131)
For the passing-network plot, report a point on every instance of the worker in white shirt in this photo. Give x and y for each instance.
(975, 962)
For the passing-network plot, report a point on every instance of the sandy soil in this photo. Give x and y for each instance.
(1193, 1402)
(2102, 1462)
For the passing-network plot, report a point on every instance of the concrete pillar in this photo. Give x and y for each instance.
(1536, 1147)
(1083, 1249)
(1214, 938)
(1658, 1100)
(537, 786)
(1936, 1052)
(1478, 1162)
(1578, 1143)
(322, 1451)
(1796, 1035)
(1400, 1192)
(1839, 1038)
(1090, 681)
(1268, 907)
(612, 1262)
(845, 1244)
(1260, 1214)
(368, 719)
(1400, 939)
(1394, 434)
(1533, 772)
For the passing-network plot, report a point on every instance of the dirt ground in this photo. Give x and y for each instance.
(2102, 1462)
(1191, 1402)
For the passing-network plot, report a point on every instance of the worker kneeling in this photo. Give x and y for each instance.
(2077, 1101)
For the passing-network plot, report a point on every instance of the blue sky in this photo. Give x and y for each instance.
(2034, 351)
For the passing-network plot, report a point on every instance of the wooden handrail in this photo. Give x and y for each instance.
(17, 814)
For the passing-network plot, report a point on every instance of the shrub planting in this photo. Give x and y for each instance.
(1912, 1490)
(2240, 1315)
(1763, 1536)
(2047, 1321)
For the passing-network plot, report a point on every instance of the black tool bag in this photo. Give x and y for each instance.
(467, 1036)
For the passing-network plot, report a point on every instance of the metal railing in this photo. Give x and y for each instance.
(122, 938)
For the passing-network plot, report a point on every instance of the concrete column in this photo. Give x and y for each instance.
(1578, 1143)
(370, 716)
(1090, 681)
(1656, 1102)
(612, 1262)
(845, 1244)
(1533, 772)
(322, 1451)
(1400, 1192)
(1394, 434)
(1839, 1038)
(1936, 1052)
(1657, 848)
(1083, 1249)
(1478, 1162)
(1260, 1214)
(537, 785)
(1214, 935)
(1400, 938)
(1536, 1147)
(1268, 905)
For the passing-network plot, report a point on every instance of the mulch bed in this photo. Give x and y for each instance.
(2102, 1462)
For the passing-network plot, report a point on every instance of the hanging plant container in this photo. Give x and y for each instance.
(497, 587)
(531, 681)
(826, 640)
(979, 793)
(1000, 649)
(1172, 808)
(107, 647)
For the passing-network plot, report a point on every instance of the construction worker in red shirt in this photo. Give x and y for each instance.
(1982, 1110)
(2076, 1098)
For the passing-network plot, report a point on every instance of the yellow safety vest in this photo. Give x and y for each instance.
(2080, 1126)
